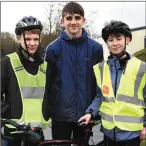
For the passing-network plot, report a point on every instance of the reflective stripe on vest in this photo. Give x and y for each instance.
(35, 92)
(126, 111)
(121, 118)
(101, 66)
(105, 99)
(32, 91)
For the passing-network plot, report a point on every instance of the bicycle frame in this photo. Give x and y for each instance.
(67, 142)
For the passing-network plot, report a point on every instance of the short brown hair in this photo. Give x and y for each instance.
(35, 31)
(73, 8)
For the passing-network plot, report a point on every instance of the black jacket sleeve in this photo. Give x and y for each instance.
(4, 86)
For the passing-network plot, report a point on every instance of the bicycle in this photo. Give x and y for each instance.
(33, 136)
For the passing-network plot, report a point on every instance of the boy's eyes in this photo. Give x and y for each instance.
(36, 39)
(110, 39)
(69, 18)
(28, 39)
(118, 38)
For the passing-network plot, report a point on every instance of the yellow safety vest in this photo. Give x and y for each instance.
(126, 110)
(32, 91)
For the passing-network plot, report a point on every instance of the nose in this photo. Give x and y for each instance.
(73, 20)
(32, 42)
(114, 42)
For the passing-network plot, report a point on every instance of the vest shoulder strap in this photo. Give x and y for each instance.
(43, 67)
(15, 61)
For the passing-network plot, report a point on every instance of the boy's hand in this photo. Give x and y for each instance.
(86, 118)
(143, 134)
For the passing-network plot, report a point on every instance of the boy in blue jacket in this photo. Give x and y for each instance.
(70, 80)
(122, 81)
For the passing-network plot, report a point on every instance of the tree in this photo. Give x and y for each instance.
(53, 17)
(90, 25)
(51, 27)
(141, 54)
(8, 43)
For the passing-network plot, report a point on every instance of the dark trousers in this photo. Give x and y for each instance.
(65, 131)
(132, 142)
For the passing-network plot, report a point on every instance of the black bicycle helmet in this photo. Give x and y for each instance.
(116, 27)
(27, 23)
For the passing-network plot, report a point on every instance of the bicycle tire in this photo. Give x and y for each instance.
(57, 142)
(65, 142)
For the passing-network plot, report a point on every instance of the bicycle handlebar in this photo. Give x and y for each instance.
(23, 130)
(13, 123)
(33, 133)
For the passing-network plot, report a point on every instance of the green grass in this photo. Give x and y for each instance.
(143, 143)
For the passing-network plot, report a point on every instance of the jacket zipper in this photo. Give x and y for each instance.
(76, 78)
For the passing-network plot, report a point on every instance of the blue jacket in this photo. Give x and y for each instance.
(70, 80)
(117, 134)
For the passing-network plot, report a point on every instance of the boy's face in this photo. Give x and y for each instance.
(116, 43)
(32, 41)
(73, 23)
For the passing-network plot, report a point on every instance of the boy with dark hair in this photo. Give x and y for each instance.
(70, 81)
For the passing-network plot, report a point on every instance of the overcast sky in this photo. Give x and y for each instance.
(133, 13)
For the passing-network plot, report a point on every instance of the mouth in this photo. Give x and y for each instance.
(115, 49)
(31, 49)
(74, 26)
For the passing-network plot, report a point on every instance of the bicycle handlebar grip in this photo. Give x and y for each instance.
(13, 123)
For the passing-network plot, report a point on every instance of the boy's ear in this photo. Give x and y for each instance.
(127, 40)
(62, 21)
(84, 20)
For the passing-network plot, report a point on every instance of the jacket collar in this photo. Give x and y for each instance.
(119, 63)
(83, 37)
(111, 57)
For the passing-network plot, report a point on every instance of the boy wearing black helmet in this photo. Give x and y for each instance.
(23, 78)
(121, 79)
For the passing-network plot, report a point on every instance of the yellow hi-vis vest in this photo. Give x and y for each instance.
(32, 90)
(126, 110)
